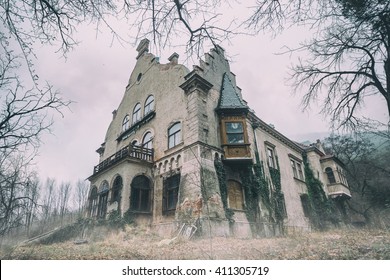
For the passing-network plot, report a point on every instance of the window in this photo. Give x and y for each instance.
(234, 132)
(136, 113)
(342, 177)
(281, 204)
(117, 189)
(235, 195)
(93, 202)
(305, 205)
(171, 191)
(297, 169)
(103, 198)
(125, 123)
(140, 194)
(271, 157)
(174, 135)
(149, 105)
(330, 175)
(147, 141)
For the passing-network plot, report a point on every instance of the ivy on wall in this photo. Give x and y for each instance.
(221, 174)
(323, 210)
(257, 189)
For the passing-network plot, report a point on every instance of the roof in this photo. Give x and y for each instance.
(229, 98)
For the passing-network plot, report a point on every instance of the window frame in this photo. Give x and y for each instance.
(171, 187)
(126, 123)
(136, 113)
(235, 196)
(148, 144)
(149, 105)
(141, 195)
(297, 169)
(176, 135)
(241, 133)
(271, 158)
(117, 189)
(330, 175)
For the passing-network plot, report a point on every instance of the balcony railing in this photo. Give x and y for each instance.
(132, 152)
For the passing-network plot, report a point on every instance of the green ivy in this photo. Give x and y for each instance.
(221, 174)
(322, 209)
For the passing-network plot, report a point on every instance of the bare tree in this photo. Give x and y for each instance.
(64, 193)
(81, 195)
(350, 60)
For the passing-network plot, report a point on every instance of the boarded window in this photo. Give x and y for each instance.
(235, 195)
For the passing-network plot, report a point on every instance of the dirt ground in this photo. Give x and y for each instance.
(142, 245)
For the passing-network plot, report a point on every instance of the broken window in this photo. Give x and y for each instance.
(171, 191)
(235, 195)
(140, 199)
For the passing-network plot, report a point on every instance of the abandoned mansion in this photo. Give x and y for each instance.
(184, 148)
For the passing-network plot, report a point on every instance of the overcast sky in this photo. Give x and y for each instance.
(95, 75)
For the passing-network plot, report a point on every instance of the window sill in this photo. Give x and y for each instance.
(300, 180)
(181, 144)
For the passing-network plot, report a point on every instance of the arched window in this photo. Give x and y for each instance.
(147, 141)
(137, 113)
(125, 123)
(235, 195)
(149, 105)
(117, 189)
(140, 199)
(93, 202)
(174, 135)
(103, 199)
(329, 173)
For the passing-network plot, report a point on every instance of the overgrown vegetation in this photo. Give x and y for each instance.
(322, 208)
(139, 244)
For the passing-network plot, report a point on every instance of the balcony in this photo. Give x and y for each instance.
(128, 152)
(338, 189)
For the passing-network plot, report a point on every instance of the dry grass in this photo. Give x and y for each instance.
(142, 245)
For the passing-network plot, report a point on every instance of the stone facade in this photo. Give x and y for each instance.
(184, 148)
